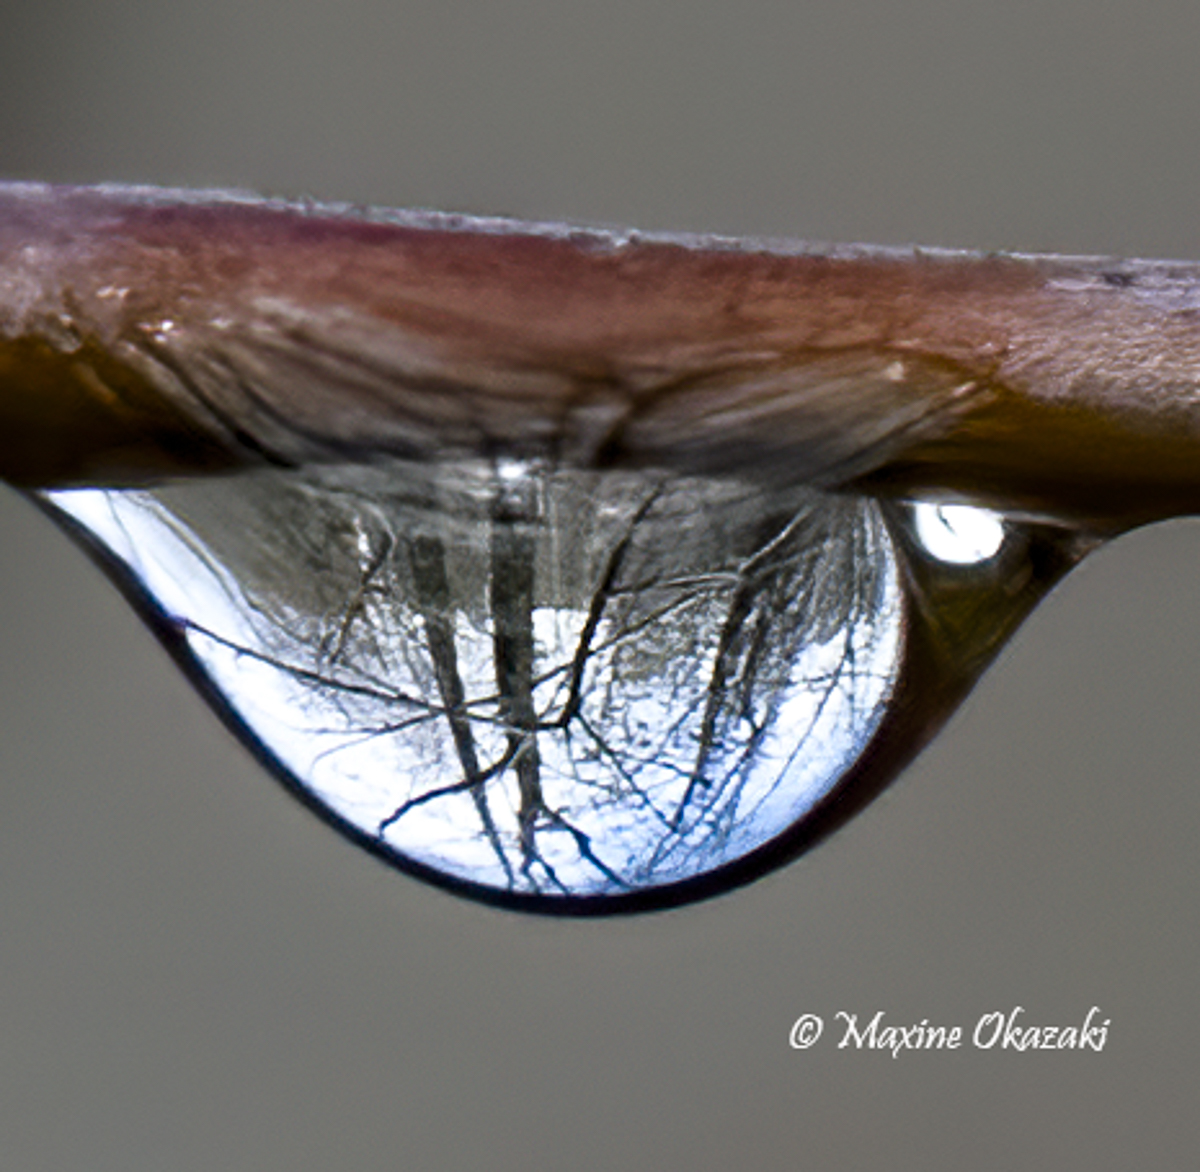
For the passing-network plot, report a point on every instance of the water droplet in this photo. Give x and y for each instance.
(567, 689)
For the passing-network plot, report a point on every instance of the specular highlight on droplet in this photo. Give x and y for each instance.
(960, 535)
(538, 685)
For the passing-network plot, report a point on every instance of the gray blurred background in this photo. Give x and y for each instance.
(196, 974)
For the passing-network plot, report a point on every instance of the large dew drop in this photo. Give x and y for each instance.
(544, 687)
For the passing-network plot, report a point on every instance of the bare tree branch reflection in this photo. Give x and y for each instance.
(538, 679)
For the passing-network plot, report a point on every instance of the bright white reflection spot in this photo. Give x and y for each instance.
(512, 470)
(959, 534)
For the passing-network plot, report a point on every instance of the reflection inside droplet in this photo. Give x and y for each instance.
(959, 535)
(543, 684)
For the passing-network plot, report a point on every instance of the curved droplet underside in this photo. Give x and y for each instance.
(540, 686)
